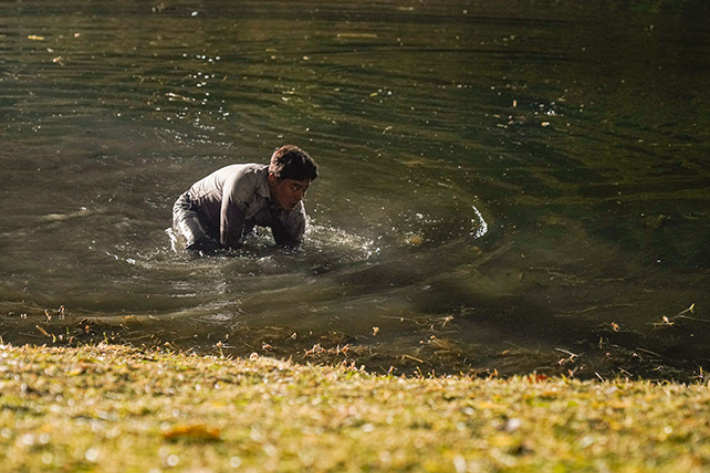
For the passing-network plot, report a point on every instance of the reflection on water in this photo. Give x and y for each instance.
(505, 186)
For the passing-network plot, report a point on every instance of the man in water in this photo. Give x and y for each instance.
(219, 210)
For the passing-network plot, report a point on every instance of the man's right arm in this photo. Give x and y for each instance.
(237, 193)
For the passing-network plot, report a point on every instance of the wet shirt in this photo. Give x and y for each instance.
(236, 198)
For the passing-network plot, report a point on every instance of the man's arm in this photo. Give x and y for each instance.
(289, 231)
(237, 193)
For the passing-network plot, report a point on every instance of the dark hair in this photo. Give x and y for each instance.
(291, 162)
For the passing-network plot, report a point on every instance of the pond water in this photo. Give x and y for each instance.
(508, 186)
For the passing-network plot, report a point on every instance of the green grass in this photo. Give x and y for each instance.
(112, 408)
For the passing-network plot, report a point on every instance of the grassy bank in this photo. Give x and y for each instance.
(112, 408)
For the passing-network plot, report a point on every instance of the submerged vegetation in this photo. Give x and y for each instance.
(666, 351)
(112, 408)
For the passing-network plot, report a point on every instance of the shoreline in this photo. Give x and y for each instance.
(659, 355)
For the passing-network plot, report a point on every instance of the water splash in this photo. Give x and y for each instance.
(480, 226)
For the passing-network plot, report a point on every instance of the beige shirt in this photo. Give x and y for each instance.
(237, 198)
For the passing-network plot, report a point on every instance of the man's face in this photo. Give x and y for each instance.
(287, 192)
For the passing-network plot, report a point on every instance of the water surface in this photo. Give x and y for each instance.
(511, 187)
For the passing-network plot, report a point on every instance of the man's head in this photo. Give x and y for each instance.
(291, 162)
(290, 173)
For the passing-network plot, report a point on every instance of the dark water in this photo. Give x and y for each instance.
(508, 185)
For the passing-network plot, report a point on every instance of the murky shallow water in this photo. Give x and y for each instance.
(502, 185)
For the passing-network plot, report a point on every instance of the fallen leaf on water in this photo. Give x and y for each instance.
(357, 35)
(414, 240)
(35, 37)
(43, 331)
(414, 163)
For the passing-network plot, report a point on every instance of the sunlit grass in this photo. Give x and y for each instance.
(111, 408)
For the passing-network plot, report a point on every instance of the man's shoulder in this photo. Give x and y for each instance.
(244, 172)
(246, 180)
(249, 168)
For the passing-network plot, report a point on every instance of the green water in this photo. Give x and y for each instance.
(503, 183)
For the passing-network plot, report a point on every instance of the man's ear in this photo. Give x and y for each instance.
(273, 180)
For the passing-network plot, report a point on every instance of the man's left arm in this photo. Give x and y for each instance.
(289, 228)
